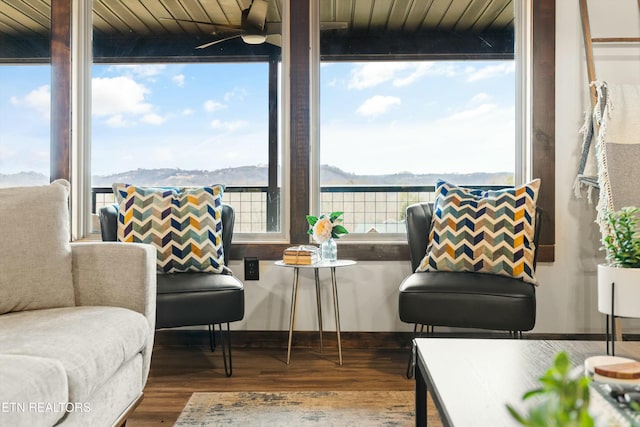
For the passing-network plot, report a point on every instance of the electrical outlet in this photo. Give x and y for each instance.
(251, 268)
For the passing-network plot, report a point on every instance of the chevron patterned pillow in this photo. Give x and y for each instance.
(483, 231)
(184, 224)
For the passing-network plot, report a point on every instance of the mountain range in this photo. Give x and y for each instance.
(257, 176)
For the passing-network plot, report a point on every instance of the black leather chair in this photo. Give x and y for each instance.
(465, 300)
(188, 299)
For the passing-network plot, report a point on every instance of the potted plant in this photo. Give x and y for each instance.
(622, 246)
(563, 398)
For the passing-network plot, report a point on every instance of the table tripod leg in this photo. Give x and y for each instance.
(292, 319)
(319, 304)
(336, 309)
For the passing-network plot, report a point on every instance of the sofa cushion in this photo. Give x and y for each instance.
(35, 254)
(483, 231)
(184, 224)
(32, 390)
(92, 343)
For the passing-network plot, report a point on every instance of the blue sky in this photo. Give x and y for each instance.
(449, 117)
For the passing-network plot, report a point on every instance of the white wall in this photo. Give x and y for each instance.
(566, 297)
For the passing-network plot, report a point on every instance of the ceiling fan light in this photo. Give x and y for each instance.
(254, 38)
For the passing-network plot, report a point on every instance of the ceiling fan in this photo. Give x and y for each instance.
(253, 28)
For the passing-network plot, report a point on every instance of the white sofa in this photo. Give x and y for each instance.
(76, 319)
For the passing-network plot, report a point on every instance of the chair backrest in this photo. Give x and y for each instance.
(418, 222)
(109, 226)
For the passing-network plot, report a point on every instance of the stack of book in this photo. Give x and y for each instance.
(301, 255)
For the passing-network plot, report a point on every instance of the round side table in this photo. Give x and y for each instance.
(294, 294)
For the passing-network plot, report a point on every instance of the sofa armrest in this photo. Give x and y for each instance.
(118, 275)
(115, 274)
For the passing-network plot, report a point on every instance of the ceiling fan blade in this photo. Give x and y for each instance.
(257, 15)
(274, 39)
(273, 28)
(223, 26)
(331, 25)
(203, 46)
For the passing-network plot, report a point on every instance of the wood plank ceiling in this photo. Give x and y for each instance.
(26, 23)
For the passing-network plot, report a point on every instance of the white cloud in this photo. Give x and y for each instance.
(159, 150)
(482, 138)
(7, 151)
(178, 79)
(377, 105)
(397, 73)
(480, 98)
(211, 106)
(491, 71)
(229, 126)
(163, 154)
(38, 99)
(142, 71)
(482, 110)
(373, 73)
(118, 121)
(414, 74)
(188, 111)
(416, 71)
(153, 119)
(119, 95)
(238, 93)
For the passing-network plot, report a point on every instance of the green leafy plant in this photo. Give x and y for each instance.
(326, 227)
(564, 399)
(622, 244)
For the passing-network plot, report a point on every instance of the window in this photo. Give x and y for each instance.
(390, 129)
(407, 97)
(25, 104)
(199, 113)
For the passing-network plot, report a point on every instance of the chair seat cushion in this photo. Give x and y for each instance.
(467, 300)
(197, 282)
(187, 299)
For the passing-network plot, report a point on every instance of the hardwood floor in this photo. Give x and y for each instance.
(178, 371)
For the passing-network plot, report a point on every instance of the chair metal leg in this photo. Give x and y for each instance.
(410, 364)
(227, 370)
(212, 337)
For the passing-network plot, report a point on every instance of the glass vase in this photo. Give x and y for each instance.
(329, 250)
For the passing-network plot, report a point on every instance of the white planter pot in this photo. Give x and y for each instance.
(627, 290)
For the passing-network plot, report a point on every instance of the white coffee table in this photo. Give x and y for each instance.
(294, 294)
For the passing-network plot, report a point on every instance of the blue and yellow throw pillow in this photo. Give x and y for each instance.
(184, 224)
(483, 231)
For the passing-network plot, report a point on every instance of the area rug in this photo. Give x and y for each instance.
(300, 408)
